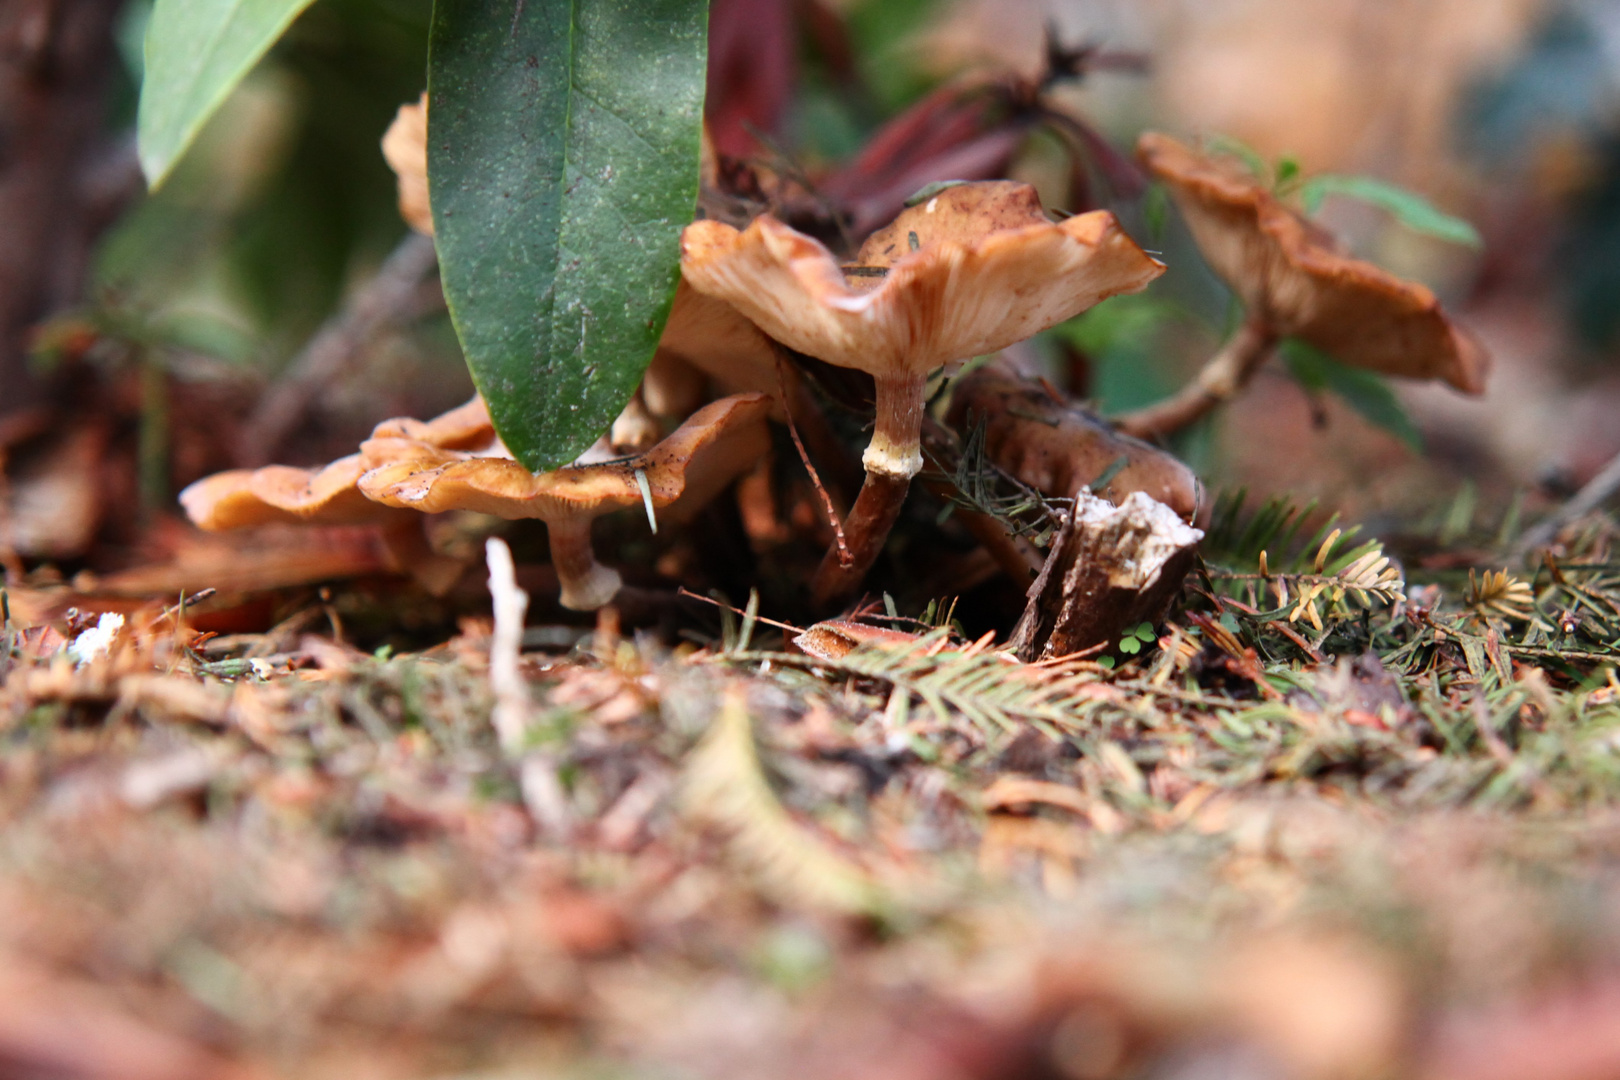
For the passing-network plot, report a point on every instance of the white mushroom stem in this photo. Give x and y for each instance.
(586, 583)
(895, 450)
(1223, 377)
(892, 458)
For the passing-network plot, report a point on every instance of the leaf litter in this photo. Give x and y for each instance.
(909, 853)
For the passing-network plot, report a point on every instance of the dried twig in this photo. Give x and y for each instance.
(511, 714)
(845, 559)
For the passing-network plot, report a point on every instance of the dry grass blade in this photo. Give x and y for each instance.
(725, 787)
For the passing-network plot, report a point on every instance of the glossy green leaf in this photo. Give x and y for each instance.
(1367, 392)
(1408, 207)
(563, 144)
(196, 53)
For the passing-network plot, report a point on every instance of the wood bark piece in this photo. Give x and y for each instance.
(1110, 568)
(1057, 448)
(55, 60)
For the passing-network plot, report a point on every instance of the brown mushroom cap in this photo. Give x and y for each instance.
(404, 146)
(951, 299)
(1057, 448)
(1288, 274)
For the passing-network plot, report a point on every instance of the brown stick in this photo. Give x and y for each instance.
(875, 511)
(386, 301)
(844, 557)
(1223, 377)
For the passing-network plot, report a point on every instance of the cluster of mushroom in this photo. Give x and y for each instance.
(455, 462)
(965, 271)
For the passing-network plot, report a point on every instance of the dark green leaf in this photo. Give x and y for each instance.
(1366, 392)
(563, 164)
(196, 53)
(1407, 207)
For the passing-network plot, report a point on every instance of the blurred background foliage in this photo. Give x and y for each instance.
(1501, 111)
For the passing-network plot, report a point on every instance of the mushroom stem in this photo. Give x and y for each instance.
(1223, 377)
(895, 450)
(586, 583)
(892, 458)
(870, 519)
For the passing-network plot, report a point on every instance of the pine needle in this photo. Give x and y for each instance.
(725, 787)
(995, 694)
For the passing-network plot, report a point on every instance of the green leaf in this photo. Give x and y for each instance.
(1129, 645)
(196, 53)
(1366, 392)
(1407, 207)
(928, 191)
(562, 164)
(1230, 147)
(1286, 176)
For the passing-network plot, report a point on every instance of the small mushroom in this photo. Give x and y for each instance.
(716, 444)
(1058, 448)
(244, 498)
(405, 147)
(330, 495)
(973, 269)
(1294, 283)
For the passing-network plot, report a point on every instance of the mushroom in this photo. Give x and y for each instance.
(973, 269)
(1293, 283)
(1058, 449)
(330, 495)
(405, 146)
(718, 442)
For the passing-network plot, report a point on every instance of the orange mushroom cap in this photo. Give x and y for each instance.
(1288, 274)
(404, 146)
(244, 498)
(718, 442)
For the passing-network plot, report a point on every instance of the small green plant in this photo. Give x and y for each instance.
(1137, 638)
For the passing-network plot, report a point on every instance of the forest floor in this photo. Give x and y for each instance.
(1247, 846)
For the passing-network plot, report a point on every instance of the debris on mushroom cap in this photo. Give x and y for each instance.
(719, 441)
(1058, 448)
(946, 301)
(961, 213)
(1287, 272)
(404, 145)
